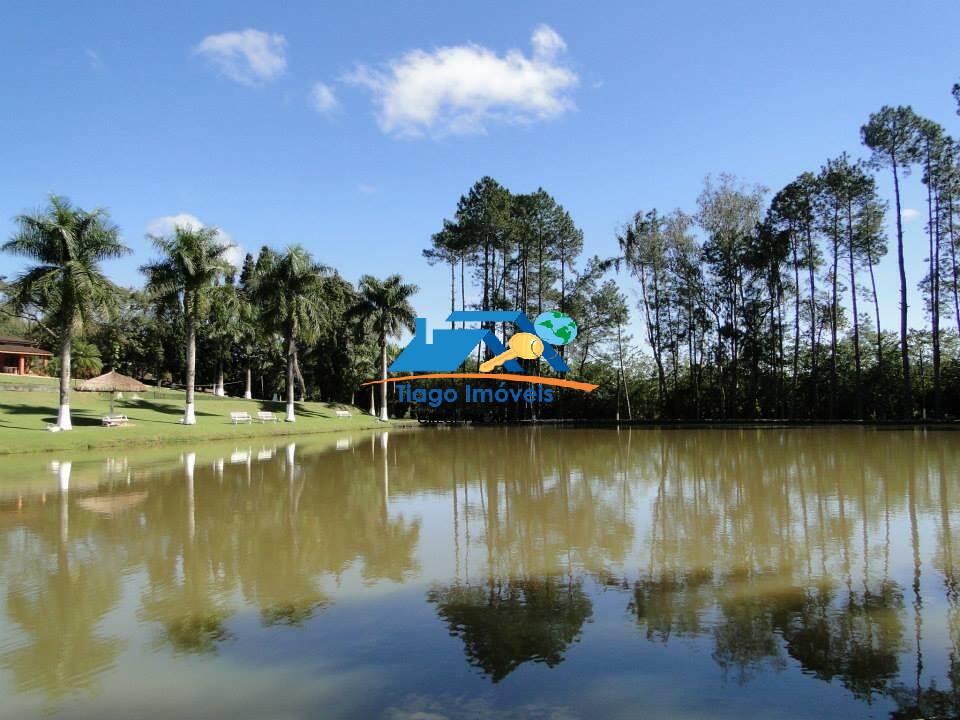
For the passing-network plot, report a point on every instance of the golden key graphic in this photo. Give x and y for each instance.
(522, 345)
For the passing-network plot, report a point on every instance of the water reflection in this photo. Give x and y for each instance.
(812, 556)
(505, 623)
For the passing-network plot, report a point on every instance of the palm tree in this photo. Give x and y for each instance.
(192, 260)
(223, 324)
(249, 341)
(288, 289)
(66, 284)
(87, 362)
(385, 305)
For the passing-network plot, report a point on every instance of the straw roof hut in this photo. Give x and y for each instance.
(112, 382)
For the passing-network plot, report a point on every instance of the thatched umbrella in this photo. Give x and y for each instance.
(112, 382)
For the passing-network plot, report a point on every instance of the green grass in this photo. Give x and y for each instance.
(24, 417)
(7, 381)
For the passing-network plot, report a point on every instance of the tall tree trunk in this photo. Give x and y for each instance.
(291, 360)
(734, 348)
(453, 290)
(692, 354)
(539, 271)
(623, 375)
(248, 388)
(876, 312)
(299, 375)
(796, 329)
(373, 403)
(814, 349)
(955, 271)
(486, 275)
(190, 415)
(856, 318)
(63, 416)
(652, 334)
(907, 400)
(834, 319)
(218, 389)
(935, 318)
(463, 290)
(383, 376)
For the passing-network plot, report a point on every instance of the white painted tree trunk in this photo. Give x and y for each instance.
(63, 416)
(291, 356)
(383, 376)
(218, 390)
(248, 392)
(189, 415)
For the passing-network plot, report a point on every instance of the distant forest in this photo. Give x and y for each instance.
(748, 307)
(751, 305)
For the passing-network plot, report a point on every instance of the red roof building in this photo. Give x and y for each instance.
(15, 353)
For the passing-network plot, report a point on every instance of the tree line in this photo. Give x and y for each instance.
(296, 323)
(750, 305)
(773, 310)
(748, 308)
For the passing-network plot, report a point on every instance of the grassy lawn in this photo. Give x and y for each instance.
(7, 381)
(24, 417)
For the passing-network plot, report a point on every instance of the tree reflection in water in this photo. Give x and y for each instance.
(58, 601)
(777, 557)
(832, 552)
(506, 623)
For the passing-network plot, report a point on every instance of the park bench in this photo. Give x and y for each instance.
(265, 417)
(342, 413)
(114, 420)
(240, 417)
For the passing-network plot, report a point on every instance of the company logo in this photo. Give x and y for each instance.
(448, 348)
(439, 354)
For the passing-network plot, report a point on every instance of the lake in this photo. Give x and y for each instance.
(488, 572)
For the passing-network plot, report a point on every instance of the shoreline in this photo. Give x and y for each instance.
(742, 424)
(153, 421)
(238, 432)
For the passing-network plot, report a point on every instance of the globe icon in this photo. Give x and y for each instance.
(555, 327)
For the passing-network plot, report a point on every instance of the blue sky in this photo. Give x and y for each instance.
(354, 128)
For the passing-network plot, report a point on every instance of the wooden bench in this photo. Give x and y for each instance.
(265, 417)
(239, 417)
(114, 420)
(342, 413)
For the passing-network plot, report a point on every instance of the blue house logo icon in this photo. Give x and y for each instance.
(448, 348)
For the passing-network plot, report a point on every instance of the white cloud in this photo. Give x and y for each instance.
(366, 189)
(460, 89)
(546, 42)
(93, 57)
(909, 214)
(250, 57)
(322, 98)
(168, 223)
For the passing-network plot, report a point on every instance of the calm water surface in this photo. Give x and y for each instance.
(481, 573)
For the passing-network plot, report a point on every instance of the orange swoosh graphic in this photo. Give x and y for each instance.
(533, 379)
